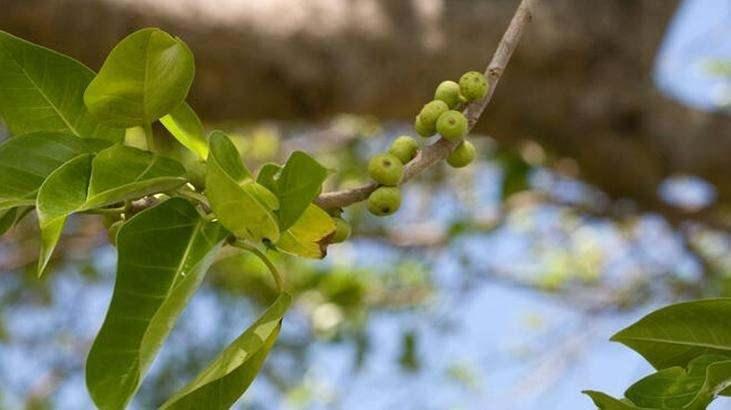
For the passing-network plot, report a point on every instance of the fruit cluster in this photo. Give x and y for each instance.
(442, 115)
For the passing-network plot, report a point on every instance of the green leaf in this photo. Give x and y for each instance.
(26, 161)
(7, 219)
(231, 373)
(676, 334)
(186, 127)
(42, 90)
(243, 206)
(267, 176)
(116, 174)
(164, 253)
(144, 77)
(307, 237)
(605, 402)
(297, 185)
(718, 380)
(675, 388)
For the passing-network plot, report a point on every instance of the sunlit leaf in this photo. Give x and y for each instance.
(42, 90)
(231, 373)
(307, 237)
(186, 127)
(164, 253)
(26, 161)
(297, 185)
(606, 402)
(116, 174)
(146, 76)
(243, 206)
(676, 334)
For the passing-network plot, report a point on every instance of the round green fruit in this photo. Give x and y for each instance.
(463, 155)
(449, 92)
(431, 112)
(422, 129)
(386, 169)
(452, 125)
(404, 148)
(473, 85)
(342, 230)
(384, 201)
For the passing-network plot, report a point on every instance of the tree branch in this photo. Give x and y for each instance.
(439, 151)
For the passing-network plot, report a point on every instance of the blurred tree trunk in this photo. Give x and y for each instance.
(580, 83)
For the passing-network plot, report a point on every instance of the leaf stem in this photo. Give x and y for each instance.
(195, 196)
(278, 278)
(149, 136)
(105, 211)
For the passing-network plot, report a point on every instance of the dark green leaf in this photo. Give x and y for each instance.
(26, 161)
(186, 127)
(267, 176)
(307, 236)
(7, 219)
(297, 186)
(164, 253)
(231, 373)
(676, 334)
(146, 76)
(243, 206)
(116, 174)
(42, 90)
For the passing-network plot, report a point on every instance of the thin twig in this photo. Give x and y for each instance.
(278, 278)
(439, 151)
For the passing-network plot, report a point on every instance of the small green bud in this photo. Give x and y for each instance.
(449, 92)
(386, 169)
(422, 129)
(342, 231)
(404, 148)
(196, 171)
(109, 219)
(384, 201)
(452, 125)
(473, 85)
(431, 111)
(463, 155)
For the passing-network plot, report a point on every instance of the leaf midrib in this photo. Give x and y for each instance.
(43, 94)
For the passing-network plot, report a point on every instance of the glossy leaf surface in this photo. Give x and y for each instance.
(184, 124)
(676, 334)
(164, 253)
(42, 90)
(26, 161)
(146, 76)
(115, 174)
(231, 373)
(242, 205)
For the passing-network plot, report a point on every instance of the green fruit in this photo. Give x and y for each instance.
(431, 111)
(386, 169)
(449, 92)
(404, 148)
(422, 129)
(473, 85)
(452, 125)
(463, 155)
(384, 201)
(196, 171)
(342, 231)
